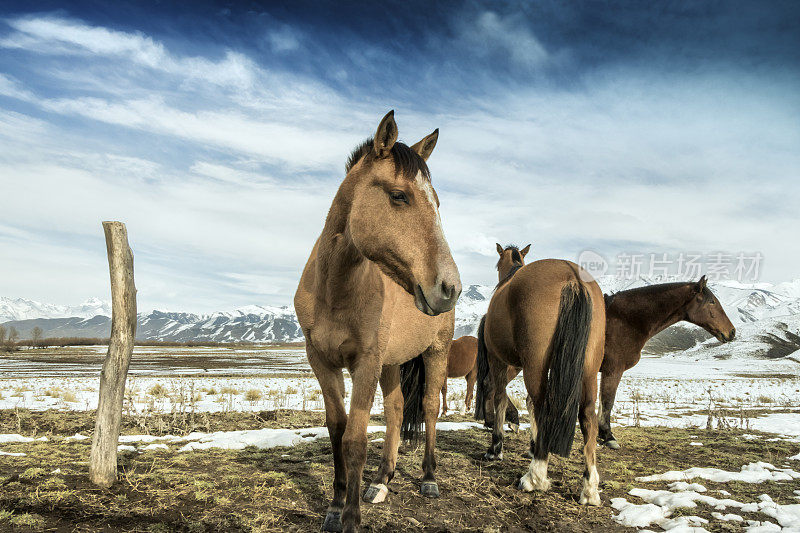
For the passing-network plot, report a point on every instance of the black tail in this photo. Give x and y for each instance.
(412, 383)
(556, 418)
(483, 374)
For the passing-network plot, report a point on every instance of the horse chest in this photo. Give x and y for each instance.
(340, 342)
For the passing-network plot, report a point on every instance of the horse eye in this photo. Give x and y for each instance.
(398, 196)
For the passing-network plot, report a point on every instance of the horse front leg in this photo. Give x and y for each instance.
(331, 383)
(435, 359)
(609, 382)
(354, 441)
(393, 409)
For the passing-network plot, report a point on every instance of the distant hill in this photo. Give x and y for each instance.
(766, 316)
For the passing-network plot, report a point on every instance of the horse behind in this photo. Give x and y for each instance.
(548, 318)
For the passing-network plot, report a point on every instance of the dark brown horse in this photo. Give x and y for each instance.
(378, 292)
(635, 315)
(461, 363)
(547, 318)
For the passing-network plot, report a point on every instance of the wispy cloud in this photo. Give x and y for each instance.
(223, 161)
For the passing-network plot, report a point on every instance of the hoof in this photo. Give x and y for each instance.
(513, 427)
(376, 493)
(527, 485)
(590, 498)
(492, 457)
(429, 489)
(333, 521)
(611, 444)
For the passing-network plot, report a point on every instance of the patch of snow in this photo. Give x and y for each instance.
(76, 437)
(750, 473)
(16, 438)
(155, 446)
(13, 454)
(730, 517)
(683, 486)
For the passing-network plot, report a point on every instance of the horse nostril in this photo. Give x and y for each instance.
(448, 290)
(733, 334)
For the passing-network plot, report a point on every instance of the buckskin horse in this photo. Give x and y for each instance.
(635, 315)
(378, 292)
(511, 259)
(548, 318)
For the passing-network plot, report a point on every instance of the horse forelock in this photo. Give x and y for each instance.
(406, 161)
(516, 256)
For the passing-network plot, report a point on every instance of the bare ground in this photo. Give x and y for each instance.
(287, 489)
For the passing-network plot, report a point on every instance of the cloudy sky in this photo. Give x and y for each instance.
(220, 135)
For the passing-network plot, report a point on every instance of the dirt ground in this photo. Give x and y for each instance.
(287, 489)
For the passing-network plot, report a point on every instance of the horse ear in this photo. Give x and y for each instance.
(499, 248)
(425, 147)
(525, 251)
(386, 135)
(701, 285)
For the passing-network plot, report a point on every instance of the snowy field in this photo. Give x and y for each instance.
(683, 391)
(676, 391)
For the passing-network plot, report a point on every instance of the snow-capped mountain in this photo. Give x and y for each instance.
(22, 309)
(252, 323)
(766, 316)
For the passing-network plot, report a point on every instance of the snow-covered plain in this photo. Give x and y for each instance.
(672, 390)
(682, 390)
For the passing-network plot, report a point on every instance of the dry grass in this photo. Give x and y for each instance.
(287, 489)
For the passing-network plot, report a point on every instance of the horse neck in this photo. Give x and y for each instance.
(652, 312)
(507, 274)
(341, 268)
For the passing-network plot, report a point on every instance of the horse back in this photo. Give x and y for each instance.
(462, 356)
(524, 312)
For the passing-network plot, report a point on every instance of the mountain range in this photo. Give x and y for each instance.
(767, 318)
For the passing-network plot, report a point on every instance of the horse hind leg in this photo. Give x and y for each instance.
(536, 476)
(393, 409)
(471, 378)
(444, 397)
(588, 421)
(534, 428)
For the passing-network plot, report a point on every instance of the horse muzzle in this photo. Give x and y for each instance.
(439, 298)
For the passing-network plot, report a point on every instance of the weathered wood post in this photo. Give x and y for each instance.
(103, 461)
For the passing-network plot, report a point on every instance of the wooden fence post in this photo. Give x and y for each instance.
(103, 460)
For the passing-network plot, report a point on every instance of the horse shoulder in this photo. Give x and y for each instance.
(304, 296)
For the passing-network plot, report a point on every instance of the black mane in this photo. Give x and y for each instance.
(648, 290)
(406, 161)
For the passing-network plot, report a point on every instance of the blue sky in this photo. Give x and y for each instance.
(220, 135)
